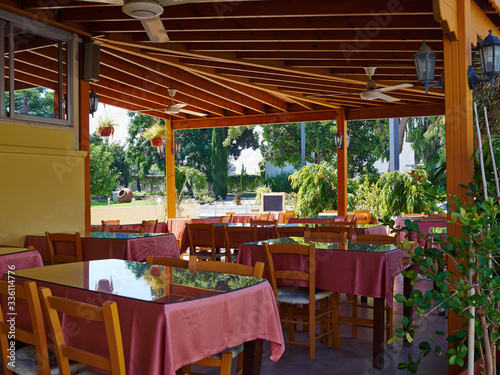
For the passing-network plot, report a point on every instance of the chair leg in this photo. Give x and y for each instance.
(312, 332)
(354, 308)
(335, 319)
(185, 370)
(225, 365)
(239, 364)
(291, 326)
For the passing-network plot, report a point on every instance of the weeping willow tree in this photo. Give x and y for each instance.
(403, 192)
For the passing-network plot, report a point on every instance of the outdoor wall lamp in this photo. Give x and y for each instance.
(338, 141)
(425, 63)
(93, 102)
(489, 53)
(177, 148)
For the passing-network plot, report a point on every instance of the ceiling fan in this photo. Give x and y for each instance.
(174, 108)
(372, 91)
(148, 12)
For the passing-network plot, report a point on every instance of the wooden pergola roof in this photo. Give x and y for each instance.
(257, 62)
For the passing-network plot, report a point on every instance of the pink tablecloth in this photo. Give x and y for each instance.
(352, 272)
(134, 249)
(423, 226)
(160, 338)
(18, 259)
(379, 230)
(244, 219)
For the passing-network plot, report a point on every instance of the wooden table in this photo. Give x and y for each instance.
(105, 245)
(160, 333)
(352, 268)
(14, 259)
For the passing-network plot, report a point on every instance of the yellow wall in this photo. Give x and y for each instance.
(41, 182)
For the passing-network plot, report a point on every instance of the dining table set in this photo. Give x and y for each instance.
(162, 333)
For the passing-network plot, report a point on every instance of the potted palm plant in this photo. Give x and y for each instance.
(155, 133)
(105, 126)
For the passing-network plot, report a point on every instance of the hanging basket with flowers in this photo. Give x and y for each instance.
(105, 126)
(155, 133)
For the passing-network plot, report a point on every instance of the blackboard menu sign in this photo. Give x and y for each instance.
(272, 202)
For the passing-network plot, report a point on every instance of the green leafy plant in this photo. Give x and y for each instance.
(157, 130)
(258, 192)
(106, 123)
(472, 292)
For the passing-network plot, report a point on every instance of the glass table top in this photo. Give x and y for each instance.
(347, 245)
(123, 236)
(13, 250)
(141, 281)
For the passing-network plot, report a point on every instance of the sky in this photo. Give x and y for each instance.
(249, 158)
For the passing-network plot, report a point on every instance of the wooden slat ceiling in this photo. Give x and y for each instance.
(257, 61)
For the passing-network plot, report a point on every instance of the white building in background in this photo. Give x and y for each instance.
(406, 163)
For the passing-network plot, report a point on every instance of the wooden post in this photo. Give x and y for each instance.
(342, 165)
(170, 170)
(84, 145)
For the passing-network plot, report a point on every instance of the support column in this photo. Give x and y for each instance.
(394, 144)
(171, 200)
(342, 165)
(459, 123)
(84, 144)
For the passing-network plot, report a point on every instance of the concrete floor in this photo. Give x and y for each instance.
(355, 355)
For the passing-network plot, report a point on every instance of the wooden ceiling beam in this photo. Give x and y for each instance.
(32, 80)
(274, 118)
(393, 22)
(155, 87)
(196, 82)
(111, 100)
(415, 110)
(265, 9)
(155, 77)
(315, 55)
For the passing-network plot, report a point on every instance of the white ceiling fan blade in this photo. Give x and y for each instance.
(395, 87)
(387, 98)
(116, 2)
(155, 30)
(192, 112)
(178, 105)
(149, 110)
(325, 95)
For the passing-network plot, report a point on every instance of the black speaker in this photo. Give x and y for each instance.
(91, 61)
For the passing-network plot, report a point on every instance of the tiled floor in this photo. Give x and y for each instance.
(355, 356)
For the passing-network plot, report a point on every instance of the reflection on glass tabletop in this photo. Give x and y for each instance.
(146, 282)
(349, 245)
(124, 236)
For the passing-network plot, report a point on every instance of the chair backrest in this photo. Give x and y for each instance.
(376, 239)
(171, 262)
(106, 223)
(435, 217)
(36, 336)
(264, 216)
(289, 214)
(235, 236)
(255, 209)
(325, 236)
(107, 313)
(334, 228)
(273, 223)
(363, 216)
(230, 213)
(149, 223)
(233, 268)
(287, 271)
(97, 229)
(226, 219)
(293, 231)
(118, 230)
(412, 215)
(335, 212)
(58, 241)
(205, 236)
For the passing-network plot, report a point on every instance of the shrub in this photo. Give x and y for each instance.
(261, 189)
(244, 182)
(279, 182)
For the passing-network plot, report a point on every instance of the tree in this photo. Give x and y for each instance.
(429, 140)
(103, 177)
(363, 142)
(190, 178)
(120, 162)
(219, 162)
(37, 101)
(139, 151)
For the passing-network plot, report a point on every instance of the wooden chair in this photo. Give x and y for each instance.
(341, 228)
(231, 213)
(97, 229)
(325, 236)
(36, 338)
(204, 239)
(224, 359)
(289, 214)
(363, 216)
(118, 230)
(269, 223)
(172, 262)
(264, 216)
(106, 223)
(289, 296)
(435, 217)
(412, 215)
(235, 236)
(149, 223)
(255, 209)
(226, 219)
(56, 240)
(354, 319)
(107, 313)
(293, 231)
(333, 212)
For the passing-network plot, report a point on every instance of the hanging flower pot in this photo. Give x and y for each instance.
(105, 132)
(156, 142)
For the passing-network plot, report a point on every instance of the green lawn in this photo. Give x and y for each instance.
(104, 203)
